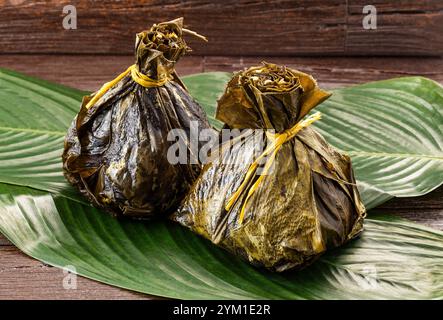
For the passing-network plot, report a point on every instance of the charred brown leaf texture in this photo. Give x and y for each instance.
(307, 204)
(116, 148)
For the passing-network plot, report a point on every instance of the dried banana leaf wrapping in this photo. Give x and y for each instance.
(307, 204)
(116, 148)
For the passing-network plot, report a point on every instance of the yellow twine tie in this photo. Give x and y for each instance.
(136, 75)
(272, 149)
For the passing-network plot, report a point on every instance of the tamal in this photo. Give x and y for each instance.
(116, 148)
(285, 205)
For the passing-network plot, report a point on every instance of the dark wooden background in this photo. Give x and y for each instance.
(275, 28)
(321, 37)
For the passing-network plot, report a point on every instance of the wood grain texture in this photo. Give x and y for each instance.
(4, 241)
(233, 27)
(22, 277)
(89, 72)
(426, 210)
(403, 27)
(334, 72)
(84, 72)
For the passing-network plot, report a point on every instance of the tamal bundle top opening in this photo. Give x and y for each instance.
(269, 97)
(160, 47)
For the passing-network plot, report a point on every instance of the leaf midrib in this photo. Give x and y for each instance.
(50, 132)
(396, 155)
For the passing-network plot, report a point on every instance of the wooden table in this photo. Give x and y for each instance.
(322, 37)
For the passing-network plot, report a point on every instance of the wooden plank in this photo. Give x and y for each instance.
(84, 72)
(403, 27)
(233, 27)
(426, 210)
(399, 6)
(89, 72)
(241, 27)
(4, 241)
(333, 72)
(22, 277)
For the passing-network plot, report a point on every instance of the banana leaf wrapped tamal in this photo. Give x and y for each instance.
(116, 148)
(303, 201)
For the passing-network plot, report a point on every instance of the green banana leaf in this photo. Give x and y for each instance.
(391, 129)
(393, 258)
